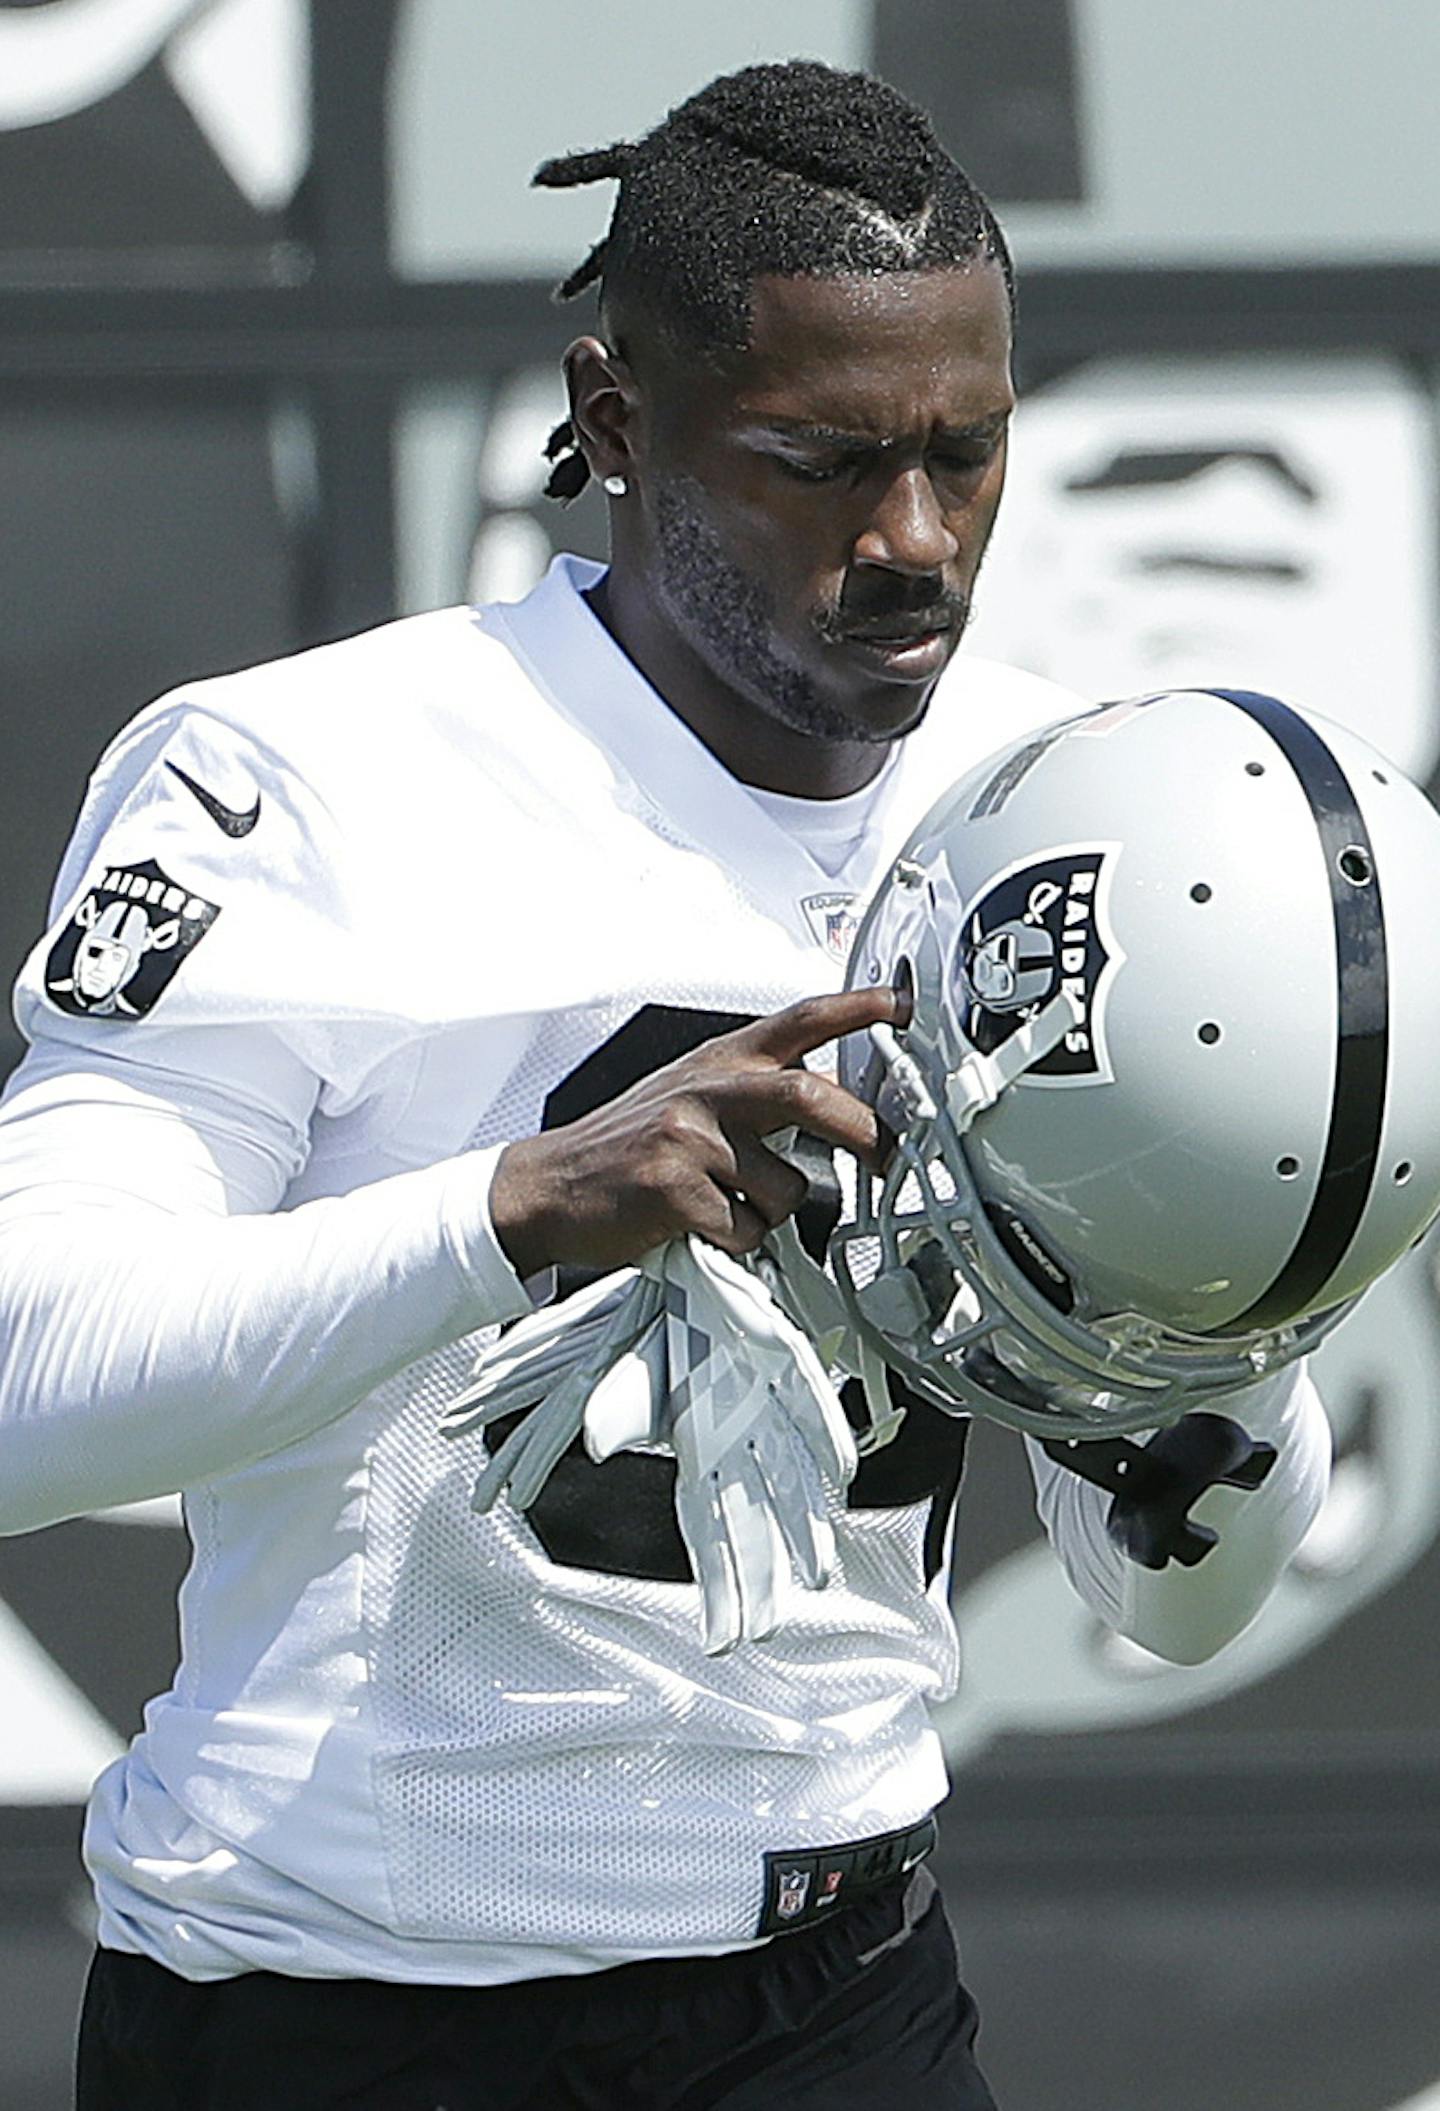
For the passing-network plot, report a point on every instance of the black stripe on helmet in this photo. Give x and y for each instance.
(1357, 1108)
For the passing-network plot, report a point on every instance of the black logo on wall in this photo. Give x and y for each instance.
(119, 952)
(1002, 83)
(1036, 930)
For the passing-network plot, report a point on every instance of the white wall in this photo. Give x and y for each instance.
(1214, 130)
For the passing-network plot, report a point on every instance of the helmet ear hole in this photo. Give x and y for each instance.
(902, 981)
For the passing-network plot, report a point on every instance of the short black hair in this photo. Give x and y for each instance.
(795, 169)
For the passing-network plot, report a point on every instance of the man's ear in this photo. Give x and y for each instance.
(604, 406)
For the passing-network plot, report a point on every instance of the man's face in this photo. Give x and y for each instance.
(817, 513)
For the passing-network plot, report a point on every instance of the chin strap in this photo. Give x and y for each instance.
(978, 1080)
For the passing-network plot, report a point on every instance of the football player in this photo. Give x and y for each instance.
(460, 957)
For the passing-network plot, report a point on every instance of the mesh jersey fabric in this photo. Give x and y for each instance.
(491, 871)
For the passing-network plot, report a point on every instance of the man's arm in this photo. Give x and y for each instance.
(151, 1340)
(1186, 1614)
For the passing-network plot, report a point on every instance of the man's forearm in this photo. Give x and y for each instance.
(145, 1351)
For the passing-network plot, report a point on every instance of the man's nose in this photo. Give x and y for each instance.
(907, 531)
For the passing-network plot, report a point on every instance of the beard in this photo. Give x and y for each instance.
(729, 618)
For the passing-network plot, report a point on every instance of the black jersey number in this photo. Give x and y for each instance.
(619, 1518)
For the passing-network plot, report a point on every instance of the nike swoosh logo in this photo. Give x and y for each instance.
(229, 818)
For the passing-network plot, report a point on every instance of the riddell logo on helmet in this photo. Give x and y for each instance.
(1038, 928)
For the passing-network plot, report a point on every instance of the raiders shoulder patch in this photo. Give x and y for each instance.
(118, 953)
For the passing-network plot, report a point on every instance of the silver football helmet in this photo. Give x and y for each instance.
(1168, 1098)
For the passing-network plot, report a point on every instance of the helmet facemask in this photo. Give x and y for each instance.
(938, 1293)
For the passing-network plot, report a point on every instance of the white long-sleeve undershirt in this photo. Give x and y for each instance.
(1186, 1614)
(149, 1341)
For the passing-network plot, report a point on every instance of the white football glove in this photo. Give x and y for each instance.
(550, 1363)
(692, 1353)
(755, 1425)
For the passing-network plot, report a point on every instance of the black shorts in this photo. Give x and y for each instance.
(863, 2011)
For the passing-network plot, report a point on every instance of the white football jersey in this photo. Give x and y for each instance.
(326, 929)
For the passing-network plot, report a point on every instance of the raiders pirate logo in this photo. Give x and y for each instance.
(1039, 928)
(120, 950)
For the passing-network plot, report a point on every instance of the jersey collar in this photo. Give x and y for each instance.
(570, 654)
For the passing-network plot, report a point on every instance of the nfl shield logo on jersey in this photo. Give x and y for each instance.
(792, 1894)
(834, 920)
(126, 937)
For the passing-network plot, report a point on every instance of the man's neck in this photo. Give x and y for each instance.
(747, 741)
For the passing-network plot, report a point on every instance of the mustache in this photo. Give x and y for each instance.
(901, 617)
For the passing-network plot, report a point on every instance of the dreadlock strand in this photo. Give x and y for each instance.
(566, 171)
(585, 274)
(561, 440)
(568, 478)
(571, 472)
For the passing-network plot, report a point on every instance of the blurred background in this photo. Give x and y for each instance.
(278, 358)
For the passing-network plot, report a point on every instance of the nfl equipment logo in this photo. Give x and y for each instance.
(793, 1892)
(834, 921)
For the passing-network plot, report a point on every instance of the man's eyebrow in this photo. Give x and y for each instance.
(806, 434)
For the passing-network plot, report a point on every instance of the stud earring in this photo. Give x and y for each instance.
(617, 486)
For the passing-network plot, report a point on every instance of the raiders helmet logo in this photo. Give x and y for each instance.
(121, 947)
(1037, 929)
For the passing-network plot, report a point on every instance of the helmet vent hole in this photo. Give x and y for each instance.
(1200, 892)
(1288, 1166)
(1254, 769)
(1403, 1172)
(1379, 776)
(1209, 1033)
(1355, 864)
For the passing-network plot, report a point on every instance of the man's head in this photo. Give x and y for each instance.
(804, 385)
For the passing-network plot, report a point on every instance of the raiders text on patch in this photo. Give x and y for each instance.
(117, 954)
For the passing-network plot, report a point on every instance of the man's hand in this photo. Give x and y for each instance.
(681, 1151)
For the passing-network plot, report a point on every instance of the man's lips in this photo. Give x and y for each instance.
(902, 653)
(896, 630)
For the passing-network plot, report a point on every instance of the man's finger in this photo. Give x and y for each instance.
(742, 1228)
(760, 1101)
(803, 1027)
(771, 1186)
